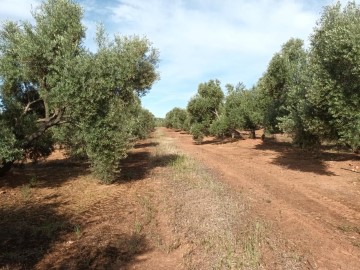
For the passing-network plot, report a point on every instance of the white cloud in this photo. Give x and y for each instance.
(201, 40)
(17, 9)
(204, 36)
(198, 40)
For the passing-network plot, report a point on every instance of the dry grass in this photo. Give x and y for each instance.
(209, 218)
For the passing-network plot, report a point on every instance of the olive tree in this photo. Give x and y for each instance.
(204, 108)
(335, 69)
(284, 73)
(144, 123)
(177, 118)
(50, 80)
(241, 111)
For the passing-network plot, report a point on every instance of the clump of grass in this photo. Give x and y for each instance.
(148, 209)
(26, 188)
(252, 252)
(34, 182)
(349, 228)
(77, 231)
(179, 163)
(26, 192)
(50, 229)
(138, 227)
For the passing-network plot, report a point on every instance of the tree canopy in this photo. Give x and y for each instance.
(335, 69)
(53, 87)
(177, 118)
(204, 108)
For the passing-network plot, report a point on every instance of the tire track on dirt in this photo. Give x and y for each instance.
(307, 217)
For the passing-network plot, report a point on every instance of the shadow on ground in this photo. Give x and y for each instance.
(37, 237)
(27, 233)
(39, 233)
(293, 158)
(118, 252)
(139, 164)
(146, 145)
(48, 173)
(219, 141)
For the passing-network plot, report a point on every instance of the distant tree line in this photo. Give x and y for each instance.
(54, 91)
(311, 94)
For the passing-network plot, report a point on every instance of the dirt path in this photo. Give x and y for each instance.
(313, 203)
(177, 205)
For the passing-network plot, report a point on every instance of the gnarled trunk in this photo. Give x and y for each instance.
(252, 134)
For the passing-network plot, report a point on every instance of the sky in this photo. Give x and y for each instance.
(198, 40)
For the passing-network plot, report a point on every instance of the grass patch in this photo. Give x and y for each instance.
(252, 252)
(26, 192)
(77, 231)
(148, 210)
(208, 216)
(349, 229)
(138, 227)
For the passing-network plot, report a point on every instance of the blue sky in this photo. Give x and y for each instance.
(198, 40)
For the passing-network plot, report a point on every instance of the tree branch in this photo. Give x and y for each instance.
(48, 119)
(46, 123)
(27, 108)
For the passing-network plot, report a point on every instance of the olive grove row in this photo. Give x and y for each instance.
(312, 94)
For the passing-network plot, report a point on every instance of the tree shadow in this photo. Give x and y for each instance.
(38, 237)
(27, 233)
(293, 158)
(48, 173)
(146, 145)
(219, 141)
(43, 236)
(138, 165)
(119, 252)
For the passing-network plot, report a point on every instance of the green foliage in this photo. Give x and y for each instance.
(159, 122)
(40, 147)
(90, 101)
(220, 127)
(197, 131)
(311, 95)
(283, 89)
(144, 123)
(314, 96)
(284, 76)
(242, 108)
(204, 108)
(335, 66)
(8, 145)
(176, 118)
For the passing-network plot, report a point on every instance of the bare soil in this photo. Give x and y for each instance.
(311, 200)
(55, 215)
(305, 208)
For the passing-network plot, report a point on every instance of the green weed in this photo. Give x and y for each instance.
(138, 227)
(78, 231)
(34, 182)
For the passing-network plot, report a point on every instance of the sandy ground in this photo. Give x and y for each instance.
(312, 201)
(54, 215)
